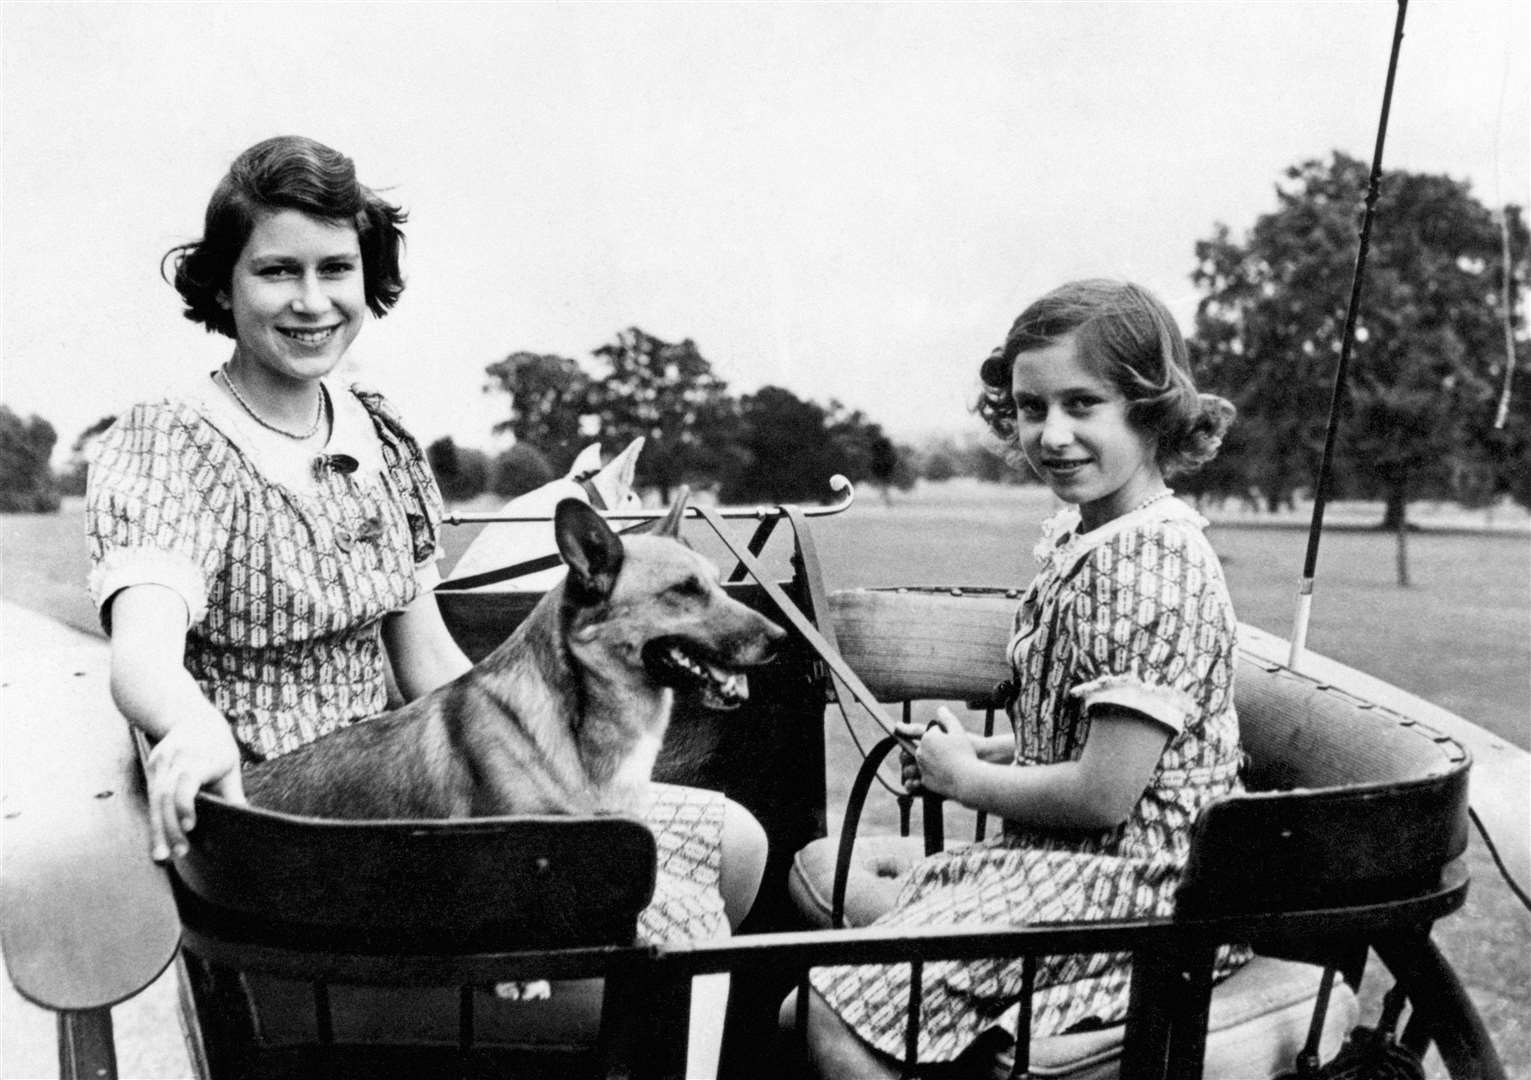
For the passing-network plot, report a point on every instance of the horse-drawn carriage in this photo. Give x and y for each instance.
(310, 947)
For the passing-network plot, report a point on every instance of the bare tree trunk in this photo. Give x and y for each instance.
(1397, 517)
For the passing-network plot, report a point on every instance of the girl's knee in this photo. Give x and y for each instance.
(743, 861)
(828, 1047)
(744, 839)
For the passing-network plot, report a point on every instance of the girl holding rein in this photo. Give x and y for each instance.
(1123, 718)
(264, 547)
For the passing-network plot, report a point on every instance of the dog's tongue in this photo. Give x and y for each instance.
(727, 687)
(730, 684)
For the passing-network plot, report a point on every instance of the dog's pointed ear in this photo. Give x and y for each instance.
(670, 525)
(592, 551)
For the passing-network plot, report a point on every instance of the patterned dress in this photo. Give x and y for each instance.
(288, 564)
(1134, 614)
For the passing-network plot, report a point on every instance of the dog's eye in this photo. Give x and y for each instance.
(690, 587)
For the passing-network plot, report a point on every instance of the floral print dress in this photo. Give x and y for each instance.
(1134, 614)
(288, 564)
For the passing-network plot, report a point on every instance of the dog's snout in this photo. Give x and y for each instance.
(772, 636)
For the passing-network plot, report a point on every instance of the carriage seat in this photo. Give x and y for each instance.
(1315, 755)
(1259, 1015)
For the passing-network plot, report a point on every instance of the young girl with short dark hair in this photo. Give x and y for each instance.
(1123, 717)
(264, 546)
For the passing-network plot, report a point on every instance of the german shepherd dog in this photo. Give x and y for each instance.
(567, 715)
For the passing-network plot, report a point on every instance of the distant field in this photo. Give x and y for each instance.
(1460, 636)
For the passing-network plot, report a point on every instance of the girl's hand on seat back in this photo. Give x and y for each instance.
(198, 752)
(194, 746)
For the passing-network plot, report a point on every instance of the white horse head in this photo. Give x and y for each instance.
(505, 543)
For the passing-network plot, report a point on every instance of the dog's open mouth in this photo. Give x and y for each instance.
(718, 687)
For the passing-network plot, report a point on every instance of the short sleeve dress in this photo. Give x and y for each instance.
(288, 565)
(1134, 614)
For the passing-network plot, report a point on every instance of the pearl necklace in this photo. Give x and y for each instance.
(1165, 494)
(319, 410)
(1061, 532)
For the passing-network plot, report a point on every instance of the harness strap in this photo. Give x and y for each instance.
(804, 626)
(853, 804)
(530, 566)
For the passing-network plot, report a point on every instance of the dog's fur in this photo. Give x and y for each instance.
(565, 717)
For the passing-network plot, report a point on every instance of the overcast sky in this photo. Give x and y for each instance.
(851, 201)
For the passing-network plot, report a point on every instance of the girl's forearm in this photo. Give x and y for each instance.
(1047, 796)
(1099, 790)
(422, 651)
(997, 749)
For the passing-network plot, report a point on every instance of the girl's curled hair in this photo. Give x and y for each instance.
(1128, 337)
(288, 172)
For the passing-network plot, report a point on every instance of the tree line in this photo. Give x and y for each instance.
(1431, 409)
(770, 445)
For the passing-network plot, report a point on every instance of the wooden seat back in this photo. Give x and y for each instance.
(412, 887)
(926, 644)
(1348, 803)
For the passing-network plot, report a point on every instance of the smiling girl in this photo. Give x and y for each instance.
(1123, 718)
(264, 546)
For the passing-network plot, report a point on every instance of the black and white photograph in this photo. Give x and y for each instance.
(736, 540)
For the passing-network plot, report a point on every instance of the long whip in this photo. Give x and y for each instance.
(1347, 339)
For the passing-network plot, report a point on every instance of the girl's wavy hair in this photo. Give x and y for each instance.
(1130, 338)
(288, 172)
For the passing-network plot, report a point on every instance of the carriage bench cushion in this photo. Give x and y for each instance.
(876, 864)
(1259, 1017)
(1257, 1026)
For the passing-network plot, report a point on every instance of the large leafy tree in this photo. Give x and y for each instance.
(548, 401)
(1428, 357)
(462, 471)
(788, 448)
(768, 446)
(77, 471)
(866, 453)
(26, 478)
(635, 385)
(668, 394)
(786, 451)
(519, 469)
